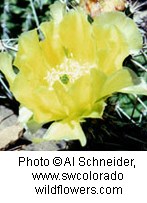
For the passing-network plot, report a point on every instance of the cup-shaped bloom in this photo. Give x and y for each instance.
(67, 76)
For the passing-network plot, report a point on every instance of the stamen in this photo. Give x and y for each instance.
(67, 72)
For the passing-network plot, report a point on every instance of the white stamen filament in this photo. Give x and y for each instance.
(71, 68)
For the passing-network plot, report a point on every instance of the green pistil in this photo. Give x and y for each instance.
(64, 79)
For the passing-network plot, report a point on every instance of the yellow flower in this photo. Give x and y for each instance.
(67, 76)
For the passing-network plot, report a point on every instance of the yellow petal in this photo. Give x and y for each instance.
(98, 79)
(116, 82)
(86, 91)
(51, 46)
(96, 111)
(67, 102)
(43, 103)
(57, 11)
(140, 89)
(81, 93)
(76, 36)
(65, 131)
(24, 91)
(6, 67)
(125, 25)
(23, 88)
(48, 106)
(111, 48)
(29, 59)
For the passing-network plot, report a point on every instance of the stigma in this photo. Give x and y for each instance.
(67, 72)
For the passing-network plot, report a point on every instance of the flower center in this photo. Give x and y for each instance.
(67, 72)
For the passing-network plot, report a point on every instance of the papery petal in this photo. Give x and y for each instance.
(6, 67)
(67, 102)
(57, 11)
(24, 91)
(125, 25)
(43, 103)
(24, 115)
(51, 45)
(98, 79)
(111, 48)
(140, 89)
(96, 111)
(48, 104)
(81, 92)
(76, 36)
(116, 82)
(65, 131)
(28, 51)
(23, 88)
(25, 118)
(86, 91)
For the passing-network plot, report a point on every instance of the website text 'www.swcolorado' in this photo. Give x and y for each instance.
(61, 189)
